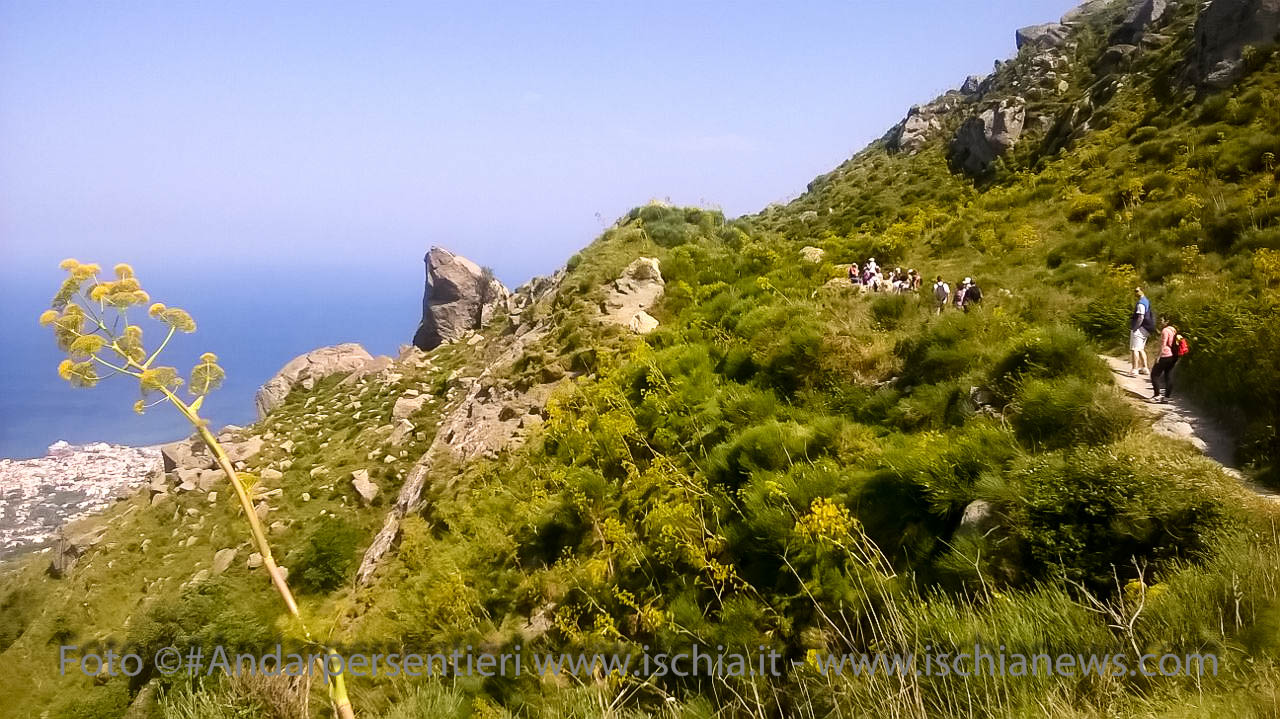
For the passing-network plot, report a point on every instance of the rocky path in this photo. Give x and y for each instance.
(1179, 419)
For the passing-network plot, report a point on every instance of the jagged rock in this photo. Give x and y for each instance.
(186, 454)
(200, 576)
(979, 517)
(911, 134)
(642, 323)
(1049, 34)
(1084, 11)
(378, 364)
(406, 406)
(254, 561)
(981, 139)
(241, 451)
(1223, 30)
(1116, 57)
(188, 480)
(812, 254)
(305, 370)
(222, 559)
(1141, 16)
(637, 289)
(271, 475)
(210, 478)
(971, 86)
(459, 297)
(402, 429)
(364, 486)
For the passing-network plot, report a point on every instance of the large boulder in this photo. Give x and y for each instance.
(981, 139)
(1049, 34)
(305, 370)
(191, 453)
(1223, 30)
(1142, 15)
(1086, 11)
(637, 290)
(460, 297)
(911, 134)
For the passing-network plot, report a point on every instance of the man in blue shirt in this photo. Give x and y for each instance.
(1140, 325)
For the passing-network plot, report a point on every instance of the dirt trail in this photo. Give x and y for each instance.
(1179, 419)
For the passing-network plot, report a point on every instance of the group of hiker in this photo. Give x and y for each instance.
(871, 276)
(1173, 346)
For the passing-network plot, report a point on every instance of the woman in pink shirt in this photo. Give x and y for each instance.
(1162, 373)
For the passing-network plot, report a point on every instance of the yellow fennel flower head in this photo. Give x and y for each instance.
(123, 271)
(64, 368)
(100, 292)
(69, 264)
(140, 406)
(178, 319)
(48, 316)
(209, 357)
(84, 272)
(156, 309)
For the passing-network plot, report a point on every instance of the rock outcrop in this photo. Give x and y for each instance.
(459, 297)
(305, 370)
(1223, 30)
(1141, 17)
(914, 130)
(1049, 34)
(491, 417)
(982, 139)
(637, 290)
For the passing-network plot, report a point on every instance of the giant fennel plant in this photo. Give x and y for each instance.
(93, 321)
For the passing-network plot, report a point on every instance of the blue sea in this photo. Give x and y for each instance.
(255, 320)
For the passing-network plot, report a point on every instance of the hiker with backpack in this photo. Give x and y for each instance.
(941, 294)
(972, 295)
(1173, 346)
(1141, 324)
(855, 275)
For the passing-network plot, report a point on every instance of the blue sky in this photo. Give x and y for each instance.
(356, 134)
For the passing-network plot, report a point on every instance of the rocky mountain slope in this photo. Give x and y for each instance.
(699, 432)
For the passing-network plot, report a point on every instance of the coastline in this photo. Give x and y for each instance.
(40, 495)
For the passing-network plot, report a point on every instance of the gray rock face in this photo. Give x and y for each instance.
(1141, 16)
(911, 134)
(459, 297)
(1084, 11)
(1222, 32)
(981, 139)
(1049, 34)
(364, 486)
(186, 454)
(240, 451)
(638, 289)
(305, 370)
(971, 86)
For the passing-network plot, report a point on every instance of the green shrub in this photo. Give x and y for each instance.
(887, 311)
(1088, 514)
(1083, 206)
(1057, 413)
(1054, 351)
(327, 556)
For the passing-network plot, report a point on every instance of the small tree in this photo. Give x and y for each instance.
(91, 322)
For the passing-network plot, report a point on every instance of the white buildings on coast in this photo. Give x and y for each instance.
(37, 496)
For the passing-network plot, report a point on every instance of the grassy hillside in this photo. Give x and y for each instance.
(786, 462)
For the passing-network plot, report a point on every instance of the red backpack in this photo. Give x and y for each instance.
(1180, 346)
